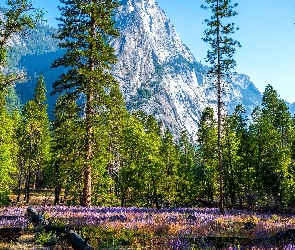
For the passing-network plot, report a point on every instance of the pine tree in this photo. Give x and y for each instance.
(170, 155)
(238, 124)
(207, 144)
(67, 149)
(37, 141)
(276, 112)
(267, 157)
(186, 169)
(221, 59)
(85, 31)
(231, 146)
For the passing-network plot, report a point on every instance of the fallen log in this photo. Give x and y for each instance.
(35, 217)
(71, 236)
(76, 241)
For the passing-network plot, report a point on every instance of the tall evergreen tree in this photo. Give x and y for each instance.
(37, 141)
(239, 126)
(67, 150)
(85, 30)
(171, 161)
(276, 112)
(186, 170)
(231, 145)
(207, 143)
(221, 59)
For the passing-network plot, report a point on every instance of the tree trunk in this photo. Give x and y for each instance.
(28, 180)
(38, 177)
(87, 186)
(89, 128)
(86, 202)
(21, 165)
(219, 104)
(57, 190)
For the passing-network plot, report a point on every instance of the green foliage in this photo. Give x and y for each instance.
(67, 144)
(111, 238)
(20, 15)
(12, 101)
(8, 151)
(207, 142)
(35, 137)
(45, 238)
(218, 34)
(88, 57)
(231, 158)
(97, 149)
(4, 198)
(257, 156)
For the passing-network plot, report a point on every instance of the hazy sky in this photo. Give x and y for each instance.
(267, 35)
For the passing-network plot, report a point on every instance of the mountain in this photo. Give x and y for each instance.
(157, 72)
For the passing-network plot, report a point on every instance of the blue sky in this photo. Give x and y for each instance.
(267, 35)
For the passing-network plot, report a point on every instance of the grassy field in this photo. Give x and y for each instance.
(144, 228)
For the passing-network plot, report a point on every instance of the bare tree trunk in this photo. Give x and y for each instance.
(87, 189)
(38, 176)
(87, 168)
(89, 133)
(21, 166)
(57, 190)
(28, 179)
(219, 104)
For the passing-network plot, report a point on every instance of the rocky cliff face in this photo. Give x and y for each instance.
(157, 72)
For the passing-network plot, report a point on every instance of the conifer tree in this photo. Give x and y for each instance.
(37, 141)
(85, 30)
(207, 142)
(170, 155)
(186, 168)
(276, 112)
(231, 145)
(221, 59)
(66, 148)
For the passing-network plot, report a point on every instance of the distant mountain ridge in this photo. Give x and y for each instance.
(157, 73)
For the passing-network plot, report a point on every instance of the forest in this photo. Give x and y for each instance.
(94, 152)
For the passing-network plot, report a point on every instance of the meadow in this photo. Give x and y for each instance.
(145, 228)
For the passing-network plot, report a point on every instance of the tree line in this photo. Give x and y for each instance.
(139, 162)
